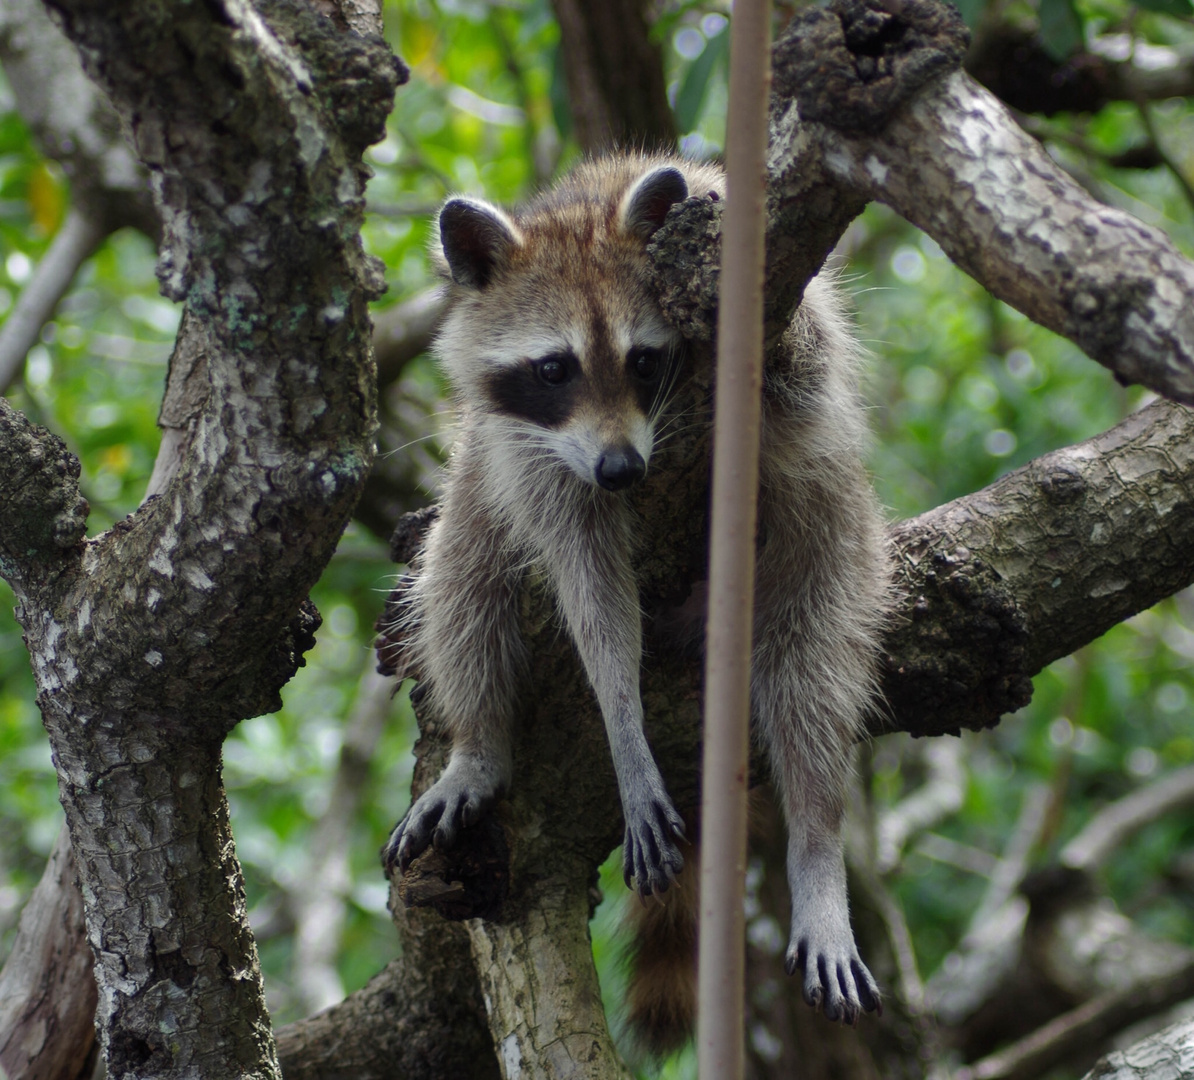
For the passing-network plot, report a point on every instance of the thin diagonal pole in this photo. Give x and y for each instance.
(721, 989)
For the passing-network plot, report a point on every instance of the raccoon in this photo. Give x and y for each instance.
(561, 362)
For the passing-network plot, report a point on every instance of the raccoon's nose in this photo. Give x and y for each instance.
(618, 469)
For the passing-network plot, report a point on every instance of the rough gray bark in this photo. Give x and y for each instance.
(1167, 1055)
(149, 642)
(955, 164)
(1003, 582)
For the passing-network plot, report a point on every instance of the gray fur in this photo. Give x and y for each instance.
(518, 494)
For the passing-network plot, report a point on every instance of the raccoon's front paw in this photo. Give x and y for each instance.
(650, 857)
(834, 978)
(456, 800)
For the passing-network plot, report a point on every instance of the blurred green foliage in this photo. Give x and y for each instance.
(963, 389)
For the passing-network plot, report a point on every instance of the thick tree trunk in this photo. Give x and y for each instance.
(149, 642)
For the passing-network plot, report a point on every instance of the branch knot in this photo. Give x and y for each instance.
(852, 65)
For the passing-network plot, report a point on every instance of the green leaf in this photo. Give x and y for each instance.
(691, 97)
(1178, 8)
(1061, 28)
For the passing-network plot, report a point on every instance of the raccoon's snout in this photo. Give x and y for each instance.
(620, 467)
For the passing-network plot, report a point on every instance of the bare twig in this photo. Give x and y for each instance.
(402, 332)
(940, 795)
(721, 970)
(1167, 159)
(1113, 825)
(989, 948)
(72, 244)
(1010, 870)
(318, 901)
(964, 856)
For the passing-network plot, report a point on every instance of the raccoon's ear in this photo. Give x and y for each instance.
(476, 238)
(646, 204)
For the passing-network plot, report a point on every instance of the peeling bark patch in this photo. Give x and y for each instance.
(853, 65)
(511, 1057)
(470, 880)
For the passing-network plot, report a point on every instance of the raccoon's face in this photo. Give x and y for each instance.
(553, 331)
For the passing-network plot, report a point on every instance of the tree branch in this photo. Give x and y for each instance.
(1084, 1026)
(76, 239)
(1115, 824)
(422, 1018)
(319, 901)
(1167, 1053)
(1003, 582)
(47, 990)
(73, 122)
(948, 157)
(956, 164)
(402, 332)
(939, 796)
(42, 514)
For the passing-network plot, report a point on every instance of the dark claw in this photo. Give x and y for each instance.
(831, 999)
(849, 998)
(392, 851)
(868, 992)
(842, 990)
(650, 860)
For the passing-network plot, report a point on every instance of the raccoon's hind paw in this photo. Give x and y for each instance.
(834, 978)
(455, 801)
(650, 857)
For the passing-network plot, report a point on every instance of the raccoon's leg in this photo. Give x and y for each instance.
(598, 596)
(469, 653)
(820, 593)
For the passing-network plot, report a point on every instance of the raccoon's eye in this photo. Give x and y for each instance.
(552, 371)
(646, 363)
